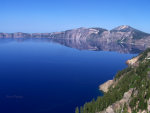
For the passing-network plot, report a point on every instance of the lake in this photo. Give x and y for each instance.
(46, 77)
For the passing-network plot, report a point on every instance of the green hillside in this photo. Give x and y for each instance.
(135, 79)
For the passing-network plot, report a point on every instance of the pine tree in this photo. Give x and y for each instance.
(81, 109)
(77, 110)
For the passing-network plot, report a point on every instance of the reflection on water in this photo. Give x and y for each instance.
(14, 97)
(37, 76)
(86, 44)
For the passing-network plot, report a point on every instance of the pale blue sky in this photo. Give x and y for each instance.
(59, 15)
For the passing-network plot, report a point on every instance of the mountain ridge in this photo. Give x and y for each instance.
(96, 28)
(92, 37)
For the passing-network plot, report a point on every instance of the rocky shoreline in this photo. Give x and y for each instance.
(125, 103)
(106, 85)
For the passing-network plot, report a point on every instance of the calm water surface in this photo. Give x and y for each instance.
(44, 77)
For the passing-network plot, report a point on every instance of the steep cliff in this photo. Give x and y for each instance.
(105, 87)
(123, 38)
(128, 93)
(93, 36)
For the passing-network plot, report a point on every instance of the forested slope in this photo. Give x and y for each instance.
(130, 91)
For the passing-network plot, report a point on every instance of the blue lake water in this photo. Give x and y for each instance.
(44, 77)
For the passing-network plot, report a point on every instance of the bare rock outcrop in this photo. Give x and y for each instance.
(105, 87)
(119, 104)
(133, 61)
(94, 38)
(148, 105)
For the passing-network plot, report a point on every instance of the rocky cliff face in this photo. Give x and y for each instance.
(105, 87)
(128, 92)
(80, 33)
(121, 34)
(115, 107)
(128, 101)
(123, 38)
(133, 61)
(120, 39)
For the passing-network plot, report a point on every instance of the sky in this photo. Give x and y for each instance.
(58, 15)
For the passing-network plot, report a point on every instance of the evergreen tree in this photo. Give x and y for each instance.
(77, 110)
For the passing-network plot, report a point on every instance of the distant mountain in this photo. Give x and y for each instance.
(136, 34)
(94, 36)
(123, 28)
